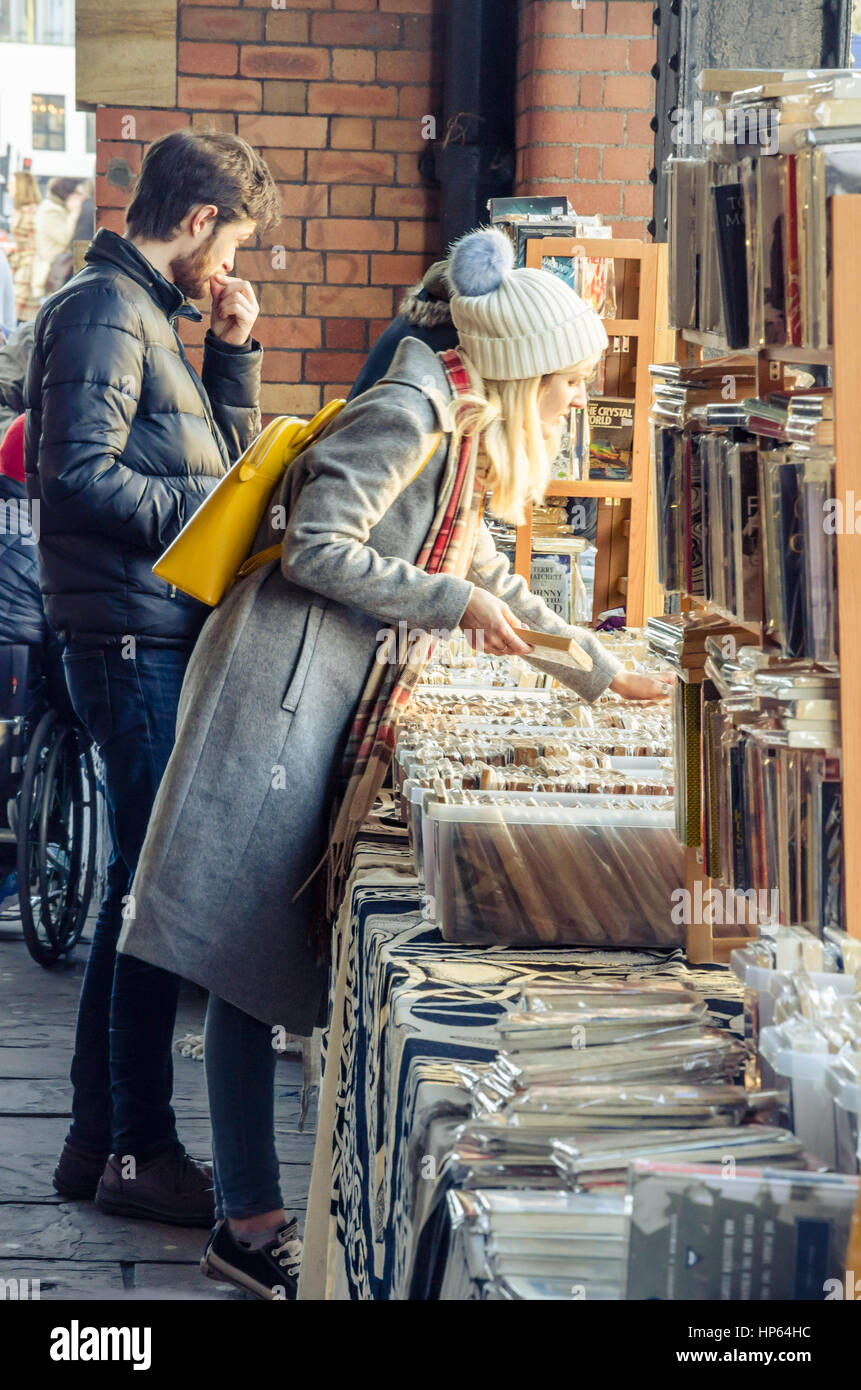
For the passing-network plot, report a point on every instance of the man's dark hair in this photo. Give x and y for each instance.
(62, 187)
(187, 168)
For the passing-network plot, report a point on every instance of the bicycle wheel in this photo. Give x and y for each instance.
(40, 943)
(67, 839)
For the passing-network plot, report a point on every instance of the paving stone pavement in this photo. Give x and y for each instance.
(70, 1247)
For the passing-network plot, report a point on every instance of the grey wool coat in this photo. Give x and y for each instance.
(242, 814)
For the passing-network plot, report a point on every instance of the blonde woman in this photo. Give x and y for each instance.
(25, 194)
(56, 216)
(383, 526)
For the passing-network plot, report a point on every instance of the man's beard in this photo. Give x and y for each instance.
(191, 273)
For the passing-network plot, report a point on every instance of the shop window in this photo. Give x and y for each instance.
(37, 21)
(49, 122)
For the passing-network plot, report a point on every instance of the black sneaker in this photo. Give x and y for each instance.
(272, 1272)
(77, 1173)
(171, 1187)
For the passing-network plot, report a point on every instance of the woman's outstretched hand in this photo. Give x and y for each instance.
(490, 626)
(632, 686)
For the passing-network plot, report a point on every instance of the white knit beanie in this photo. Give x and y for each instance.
(516, 323)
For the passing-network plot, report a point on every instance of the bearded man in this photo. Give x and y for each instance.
(124, 441)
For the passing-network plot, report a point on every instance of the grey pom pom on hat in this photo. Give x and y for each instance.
(515, 323)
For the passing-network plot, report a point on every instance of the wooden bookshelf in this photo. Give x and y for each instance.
(626, 519)
(845, 359)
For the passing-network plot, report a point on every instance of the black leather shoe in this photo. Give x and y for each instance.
(271, 1273)
(77, 1173)
(170, 1187)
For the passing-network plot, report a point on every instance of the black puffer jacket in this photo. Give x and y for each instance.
(123, 442)
(22, 619)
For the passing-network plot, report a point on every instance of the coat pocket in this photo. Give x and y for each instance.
(293, 693)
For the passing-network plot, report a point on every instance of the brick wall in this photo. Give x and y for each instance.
(585, 99)
(332, 93)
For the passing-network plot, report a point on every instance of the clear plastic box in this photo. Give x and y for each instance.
(549, 876)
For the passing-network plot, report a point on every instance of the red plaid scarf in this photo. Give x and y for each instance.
(448, 549)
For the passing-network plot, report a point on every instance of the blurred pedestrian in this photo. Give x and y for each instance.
(8, 312)
(25, 193)
(85, 227)
(56, 216)
(14, 361)
(423, 313)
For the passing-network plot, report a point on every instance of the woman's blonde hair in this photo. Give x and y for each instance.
(519, 448)
(26, 189)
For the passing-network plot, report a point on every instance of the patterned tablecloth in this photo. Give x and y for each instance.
(406, 1008)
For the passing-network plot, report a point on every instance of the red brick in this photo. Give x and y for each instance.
(299, 333)
(592, 90)
(112, 218)
(642, 54)
(287, 28)
(397, 270)
(410, 6)
(354, 64)
(588, 162)
(306, 266)
(398, 135)
(206, 23)
(347, 334)
(376, 328)
(638, 129)
(285, 98)
(350, 133)
(355, 30)
(407, 167)
(333, 366)
(598, 197)
(549, 162)
(207, 122)
(345, 233)
(277, 301)
(418, 102)
(275, 61)
(424, 31)
(305, 199)
(347, 269)
(118, 123)
(336, 391)
(406, 202)
(291, 4)
(109, 196)
(629, 17)
(282, 366)
(290, 400)
(349, 301)
(212, 59)
(220, 93)
(352, 99)
(351, 201)
(639, 200)
(285, 165)
(128, 150)
(419, 236)
(355, 4)
(258, 266)
(557, 17)
(288, 233)
(308, 132)
(582, 128)
(627, 165)
(629, 92)
(350, 166)
(595, 17)
(400, 65)
(558, 89)
(581, 55)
